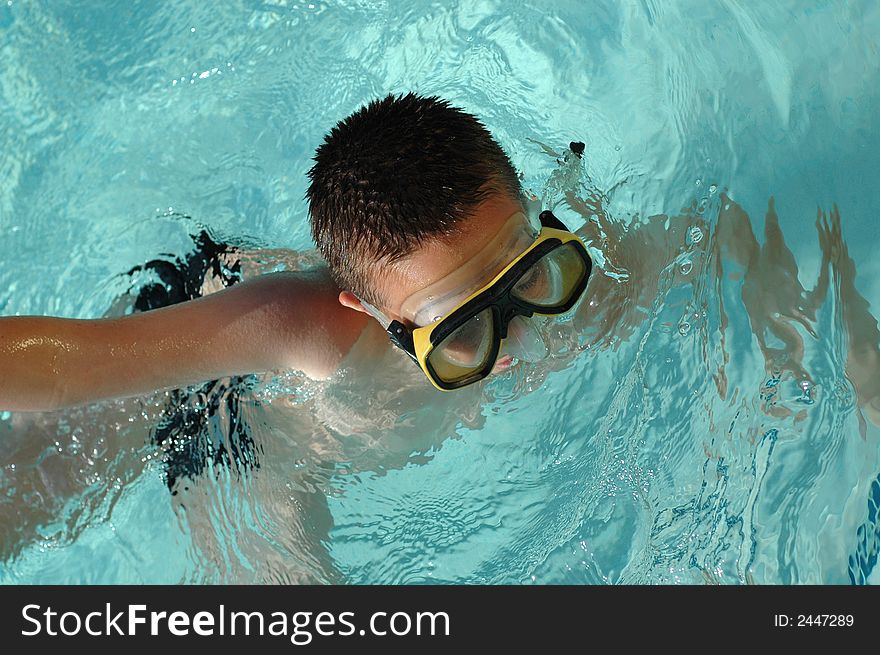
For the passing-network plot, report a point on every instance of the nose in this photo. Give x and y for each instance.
(523, 340)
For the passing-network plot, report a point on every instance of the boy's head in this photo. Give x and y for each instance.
(403, 191)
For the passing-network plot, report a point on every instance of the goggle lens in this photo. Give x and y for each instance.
(548, 284)
(465, 350)
(553, 278)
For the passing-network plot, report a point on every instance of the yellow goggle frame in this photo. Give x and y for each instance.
(420, 342)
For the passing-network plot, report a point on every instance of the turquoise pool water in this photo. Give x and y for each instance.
(682, 453)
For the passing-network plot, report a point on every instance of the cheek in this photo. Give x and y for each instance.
(460, 353)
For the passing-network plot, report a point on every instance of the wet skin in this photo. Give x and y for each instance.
(612, 311)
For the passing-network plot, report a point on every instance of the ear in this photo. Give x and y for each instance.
(348, 299)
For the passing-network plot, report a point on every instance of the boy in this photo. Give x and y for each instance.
(441, 205)
(415, 209)
(406, 194)
(423, 225)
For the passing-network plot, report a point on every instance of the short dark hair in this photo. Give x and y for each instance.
(396, 172)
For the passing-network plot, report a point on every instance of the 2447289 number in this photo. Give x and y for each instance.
(825, 620)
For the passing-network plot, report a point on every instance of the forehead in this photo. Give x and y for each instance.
(437, 258)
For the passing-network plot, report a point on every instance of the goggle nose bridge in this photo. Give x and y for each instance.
(507, 312)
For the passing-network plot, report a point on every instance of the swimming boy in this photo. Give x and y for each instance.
(420, 218)
(423, 225)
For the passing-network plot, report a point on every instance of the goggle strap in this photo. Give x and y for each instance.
(548, 219)
(403, 339)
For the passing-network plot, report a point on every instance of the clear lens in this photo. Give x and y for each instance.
(466, 350)
(553, 278)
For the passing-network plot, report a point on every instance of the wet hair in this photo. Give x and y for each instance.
(397, 172)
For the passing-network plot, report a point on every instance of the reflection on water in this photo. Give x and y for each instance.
(698, 412)
(709, 413)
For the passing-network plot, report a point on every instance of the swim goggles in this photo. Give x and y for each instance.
(460, 332)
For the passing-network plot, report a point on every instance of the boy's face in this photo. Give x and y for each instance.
(437, 259)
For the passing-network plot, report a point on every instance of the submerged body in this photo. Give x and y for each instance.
(378, 410)
(362, 405)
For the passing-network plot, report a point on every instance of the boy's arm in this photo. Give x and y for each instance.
(276, 321)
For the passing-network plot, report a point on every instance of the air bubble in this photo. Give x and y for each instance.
(683, 328)
(686, 267)
(699, 181)
(806, 393)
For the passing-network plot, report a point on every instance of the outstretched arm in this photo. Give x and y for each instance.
(276, 321)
